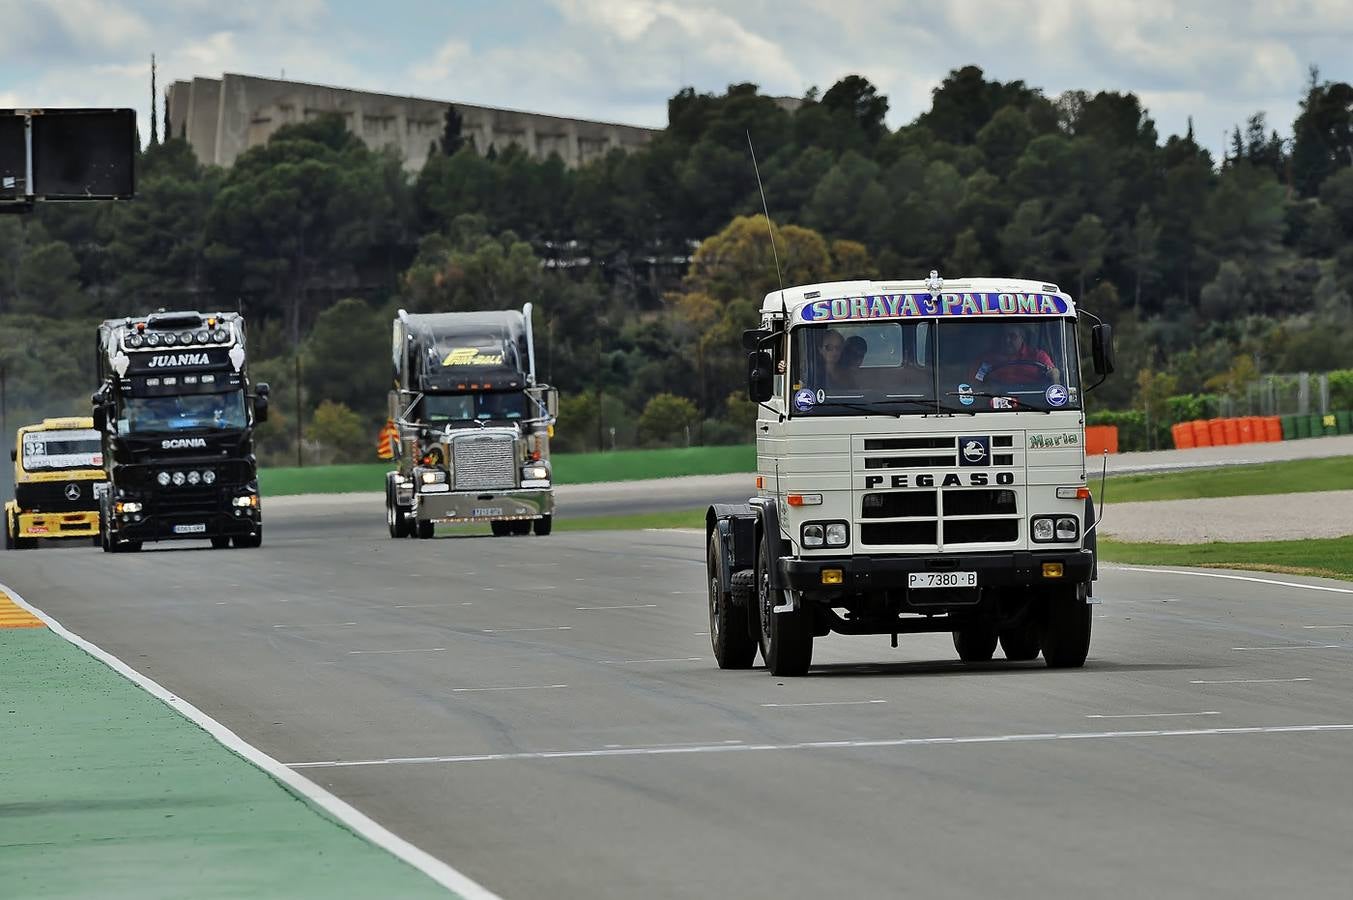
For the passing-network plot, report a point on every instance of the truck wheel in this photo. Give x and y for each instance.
(1065, 632)
(249, 541)
(728, 631)
(976, 643)
(786, 638)
(544, 525)
(501, 529)
(1020, 643)
(220, 543)
(396, 516)
(9, 535)
(425, 528)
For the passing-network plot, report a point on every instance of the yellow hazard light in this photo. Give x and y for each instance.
(1052, 570)
(833, 576)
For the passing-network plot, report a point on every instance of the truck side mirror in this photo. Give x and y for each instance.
(1101, 348)
(14, 456)
(100, 417)
(753, 338)
(760, 376)
(552, 402)
(261, 392)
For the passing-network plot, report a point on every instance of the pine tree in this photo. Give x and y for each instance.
(154, 120)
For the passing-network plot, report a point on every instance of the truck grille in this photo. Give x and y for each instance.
(484, 463)
(927, 518)
(50, 496)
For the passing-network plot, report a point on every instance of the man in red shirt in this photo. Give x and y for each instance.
(1017, 361)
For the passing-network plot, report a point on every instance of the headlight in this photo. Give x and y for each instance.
(163, 479)
(153, 340)
(194, 478)
(209, 477)
(201, 337)
(1043, 529)
(186, 338)
(434, 476)
(170, 339)
(221, 336)
(247, 500)
(838, 534)
(1068, 529)
(178, 478)
(135, 340)
(130, 506)
(536, 472)
(813, 536)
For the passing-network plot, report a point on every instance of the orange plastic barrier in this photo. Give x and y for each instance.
(1245, 430)
(1182, 432)
(1100, 439)
(1231, 428)
(1217, 428)
(1202, 433)
(1273, 428)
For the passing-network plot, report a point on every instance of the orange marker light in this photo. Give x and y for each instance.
(804, 499)
(760, 482)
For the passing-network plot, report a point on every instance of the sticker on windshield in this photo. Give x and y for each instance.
(965, 394)
(1055, 395)
(804, 400)
(1004, 403)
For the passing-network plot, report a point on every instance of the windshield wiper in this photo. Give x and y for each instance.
(1017, 406)
(927, 405)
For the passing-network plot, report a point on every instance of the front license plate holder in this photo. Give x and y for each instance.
(925, 580)
(197, 528)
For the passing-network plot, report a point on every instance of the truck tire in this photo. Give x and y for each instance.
(249, 541)
(221, 542)
(1065, 632)
(734, 647)
(1020, 643)
(544, 525)
(425, 529)
(501, 529)
(786, 638)
(396, 516)
(9, 535)
(976, 643)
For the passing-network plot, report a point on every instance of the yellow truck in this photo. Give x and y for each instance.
(58, 481)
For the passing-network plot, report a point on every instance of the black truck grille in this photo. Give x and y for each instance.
(51, 496)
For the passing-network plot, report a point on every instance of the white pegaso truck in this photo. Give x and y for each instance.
(920, 468)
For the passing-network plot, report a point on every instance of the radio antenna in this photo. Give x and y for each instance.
(766, 209)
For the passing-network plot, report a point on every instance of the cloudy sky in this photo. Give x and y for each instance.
(619, 60)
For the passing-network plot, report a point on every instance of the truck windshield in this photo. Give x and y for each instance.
(46, 451)
(443, 408)
(969, 365)
(182, 412)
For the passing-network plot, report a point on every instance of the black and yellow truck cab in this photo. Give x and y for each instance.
(58, 476)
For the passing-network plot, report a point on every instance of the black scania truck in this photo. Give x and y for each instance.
(177, 412)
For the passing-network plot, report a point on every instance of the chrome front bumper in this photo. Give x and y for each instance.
(484, 506)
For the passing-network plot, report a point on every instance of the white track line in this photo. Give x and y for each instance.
(543, 628)
(634, 606)
(532, 687)
(298, 784)
(1252, 681)
(1292, 584)
(1209, 712)
(1327, 626)
(1294, 647)
(833, 745)
(824, 703)
(416, 650)
(625, 662)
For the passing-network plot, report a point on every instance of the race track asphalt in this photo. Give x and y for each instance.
(544, 714)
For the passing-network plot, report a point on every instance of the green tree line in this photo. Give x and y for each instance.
(643, 267)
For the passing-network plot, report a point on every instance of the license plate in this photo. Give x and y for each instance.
(488, 511)
(941, 579)
(190, 529)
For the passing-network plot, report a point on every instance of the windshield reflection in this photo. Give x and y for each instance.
(182, 412)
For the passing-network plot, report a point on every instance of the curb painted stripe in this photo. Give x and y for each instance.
(14, 616)
(345, 813)
(1154, 570)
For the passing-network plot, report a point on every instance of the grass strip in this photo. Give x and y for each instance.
(569, 468)
(1322, 557)
(1291, 477)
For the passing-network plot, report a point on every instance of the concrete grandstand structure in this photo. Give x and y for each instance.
(222, 117)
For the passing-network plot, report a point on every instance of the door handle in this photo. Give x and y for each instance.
(763, 428)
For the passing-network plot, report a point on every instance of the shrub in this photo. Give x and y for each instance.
(666, 418)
